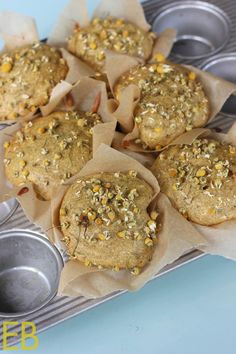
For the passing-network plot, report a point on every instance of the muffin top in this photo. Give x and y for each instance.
(200, 180)
(172, 101)
(50, 150)
(105, 221)
(27, 77)
(90, 43)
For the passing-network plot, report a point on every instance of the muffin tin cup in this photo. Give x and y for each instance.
(223, 65)
(30, 268)
(203, 29)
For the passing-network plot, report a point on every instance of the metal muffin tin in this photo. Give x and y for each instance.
(224, 65)
(62, 308)
(30, 268)
(203, 29)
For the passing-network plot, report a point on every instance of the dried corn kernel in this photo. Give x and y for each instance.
(87, 263)
(22, 163)
(159, 57)
(158, 130)
(218, 166)
(192, 76)
(98, 221)
(121, 234)
(160, 69)
(25, 173)
(96, 188)
(211, 211)
(12, 115)
(116, 269)
(57, 156)
(101, 237)
(148, 242)
(41, 130)
(125, 34)
(6, 67)
(6, 144)
(92, 215)
(135, 271)
(93, 45)
(201, 172)
(154, 215)
(119, 22)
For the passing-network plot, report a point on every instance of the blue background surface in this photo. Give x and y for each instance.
(189, 311)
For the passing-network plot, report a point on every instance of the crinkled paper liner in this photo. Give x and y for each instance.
(217, 90)
(221, 238)
(176, 237)
(88, 95)
(18, 30)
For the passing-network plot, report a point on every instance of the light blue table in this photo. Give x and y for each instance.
(189, 311)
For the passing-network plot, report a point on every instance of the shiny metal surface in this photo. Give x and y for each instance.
(224, 65)
(30, 270)
(7, 209)
(202, 29)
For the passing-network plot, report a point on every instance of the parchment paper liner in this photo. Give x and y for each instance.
(217, 90)
(177, 236)
(222, 237)
(83, 94)
(18, 30)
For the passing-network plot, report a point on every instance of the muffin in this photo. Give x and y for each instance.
(105, 222)
(27, 77)
(50, 150)
(91, 42)
(199, 179)
(172, 101)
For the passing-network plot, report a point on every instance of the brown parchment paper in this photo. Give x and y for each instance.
(217, 90)
(18, 30)
(145, 159)
(221, 238)
(84, 94)
(177, 235)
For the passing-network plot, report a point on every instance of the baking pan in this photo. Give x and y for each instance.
(63, 308)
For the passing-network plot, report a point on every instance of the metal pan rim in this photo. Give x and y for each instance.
(35, 235)
(12, 211)
(221, 14)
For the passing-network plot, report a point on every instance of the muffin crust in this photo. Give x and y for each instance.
(200, 180)
(172, 102)
(50, 150)
(90, 43)
(105, 221)
(27, 77)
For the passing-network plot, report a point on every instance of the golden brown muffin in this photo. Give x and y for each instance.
(105, 222)
(50, 150)
(90, 43)
(172, 102)
(199, 179)
(27, 77)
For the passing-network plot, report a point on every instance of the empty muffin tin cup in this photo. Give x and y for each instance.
(203, 29)
(30, 268)
(223, 65)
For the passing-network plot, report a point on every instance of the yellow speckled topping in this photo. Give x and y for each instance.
(105, 221)
(200, 180)
(172, 102)
(50, 150)
(117, 35)
(27, 77)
